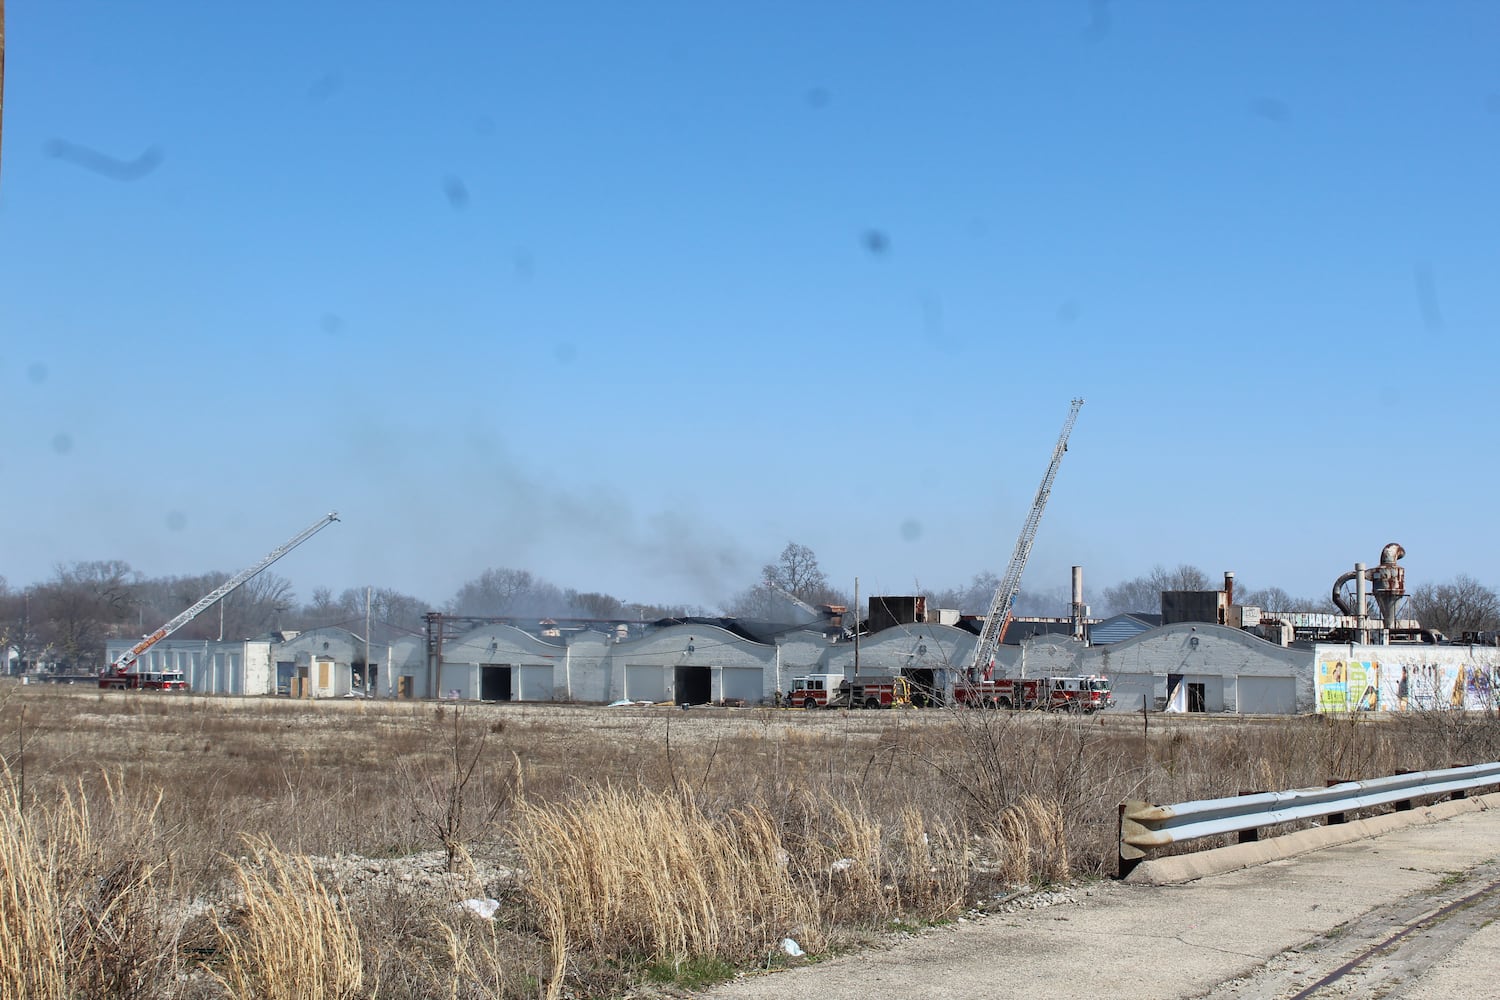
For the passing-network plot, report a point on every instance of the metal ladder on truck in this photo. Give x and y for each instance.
(983, 662)
(118, 674)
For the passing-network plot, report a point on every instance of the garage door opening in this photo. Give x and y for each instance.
(694, 686)
(1197, 697)
(494, 684)
(924, 693)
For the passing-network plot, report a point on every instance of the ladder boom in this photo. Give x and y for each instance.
(1010, 584)
(123, 664)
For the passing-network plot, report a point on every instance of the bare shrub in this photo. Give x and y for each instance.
(1443, 738)
(991, 761)
(290, 939)
(460, 800)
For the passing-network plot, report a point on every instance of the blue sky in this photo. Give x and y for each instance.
(630, 295)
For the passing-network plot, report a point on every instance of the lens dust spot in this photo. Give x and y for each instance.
(325, 87)
(1271, 109)
(565, 352)
(875, 241)
(1427, 298)
(176, 520)
(911, 529)
(523, 265)
(331, 323)
(103, 164)
(1100, 22)
(1068, 312)
(457, 192)
(36, 373)
(62, 443)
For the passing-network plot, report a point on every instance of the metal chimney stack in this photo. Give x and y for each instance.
(1078, 611)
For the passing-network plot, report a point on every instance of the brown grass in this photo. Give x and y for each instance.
(290, 938)
(646, 841)
(652, 876)
(81, 896)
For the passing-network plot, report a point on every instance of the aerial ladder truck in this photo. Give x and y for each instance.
(978, 687)
(124, 673)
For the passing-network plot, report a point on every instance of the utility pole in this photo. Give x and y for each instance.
(367, 643)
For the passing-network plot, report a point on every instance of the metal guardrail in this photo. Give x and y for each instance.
(1144, 827)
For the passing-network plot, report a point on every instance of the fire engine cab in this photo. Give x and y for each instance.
(837, 691)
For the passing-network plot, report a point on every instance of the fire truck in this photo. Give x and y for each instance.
(1054, 694)
(125, 672)
(836, 691)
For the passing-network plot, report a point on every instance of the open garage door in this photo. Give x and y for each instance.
(924, 692)
(693, 686)
(494, 683)
(1266, 695)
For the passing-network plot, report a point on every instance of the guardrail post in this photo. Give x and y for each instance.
(1251, 835)
(1129, 856)
(1462, 793)
(1333, 819)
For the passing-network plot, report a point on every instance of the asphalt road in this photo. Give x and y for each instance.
(1408, 914)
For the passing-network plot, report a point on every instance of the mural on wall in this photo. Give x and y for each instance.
(1348, 685)
(1404, 681)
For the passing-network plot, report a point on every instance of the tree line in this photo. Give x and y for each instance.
(65, 620)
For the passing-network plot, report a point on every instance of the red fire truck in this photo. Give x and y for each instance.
(1056, 694)
(837, 691)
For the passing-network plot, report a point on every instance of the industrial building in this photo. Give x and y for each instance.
(1203, 653)
(329, 662)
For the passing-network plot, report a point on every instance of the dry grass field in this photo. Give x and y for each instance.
(184, 847)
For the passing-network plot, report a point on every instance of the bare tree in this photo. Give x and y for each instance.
(18, 629)
(1143, 594)
(975, 598)
(1276, 600)
(387, 607)
(1462, 605)
(794, 580)
(81, 606)
(797, 572)
(322, 610)
(594, 605)
(248, 611)
(507, 593)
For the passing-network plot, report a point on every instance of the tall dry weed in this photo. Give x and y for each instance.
(649, 876)
(290, 939)
(33, 958)
(1030, 842)
(81, 896)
